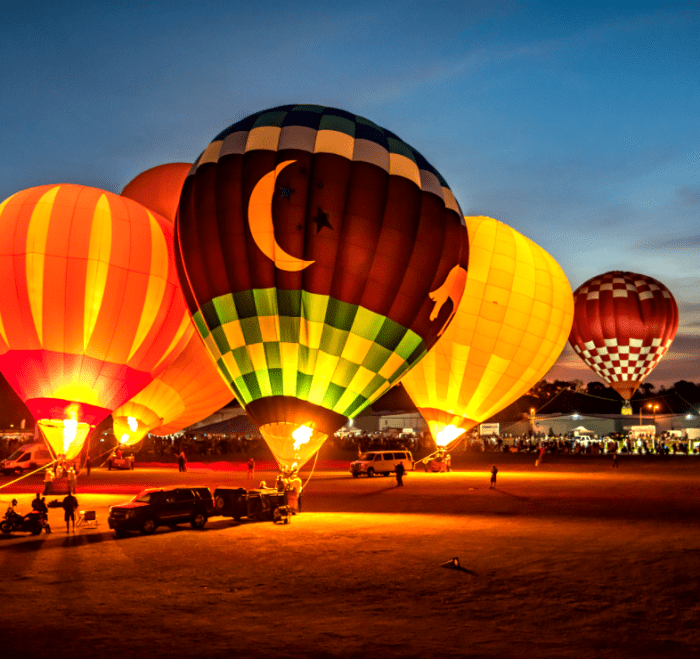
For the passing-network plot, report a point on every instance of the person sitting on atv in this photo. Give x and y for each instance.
(39, 504)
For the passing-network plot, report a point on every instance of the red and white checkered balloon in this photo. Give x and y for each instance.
(624, 324)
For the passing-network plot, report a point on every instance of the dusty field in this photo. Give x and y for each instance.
(570, 560)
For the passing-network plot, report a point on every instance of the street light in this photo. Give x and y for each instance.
(653, 408)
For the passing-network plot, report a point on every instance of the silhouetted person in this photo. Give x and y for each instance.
(39, 504)
(69, 504)
(615, 463)
(494, 471)
(88, 464)
(400, 470)
(182, 461)
(251, 469)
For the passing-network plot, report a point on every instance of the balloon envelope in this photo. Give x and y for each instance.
(510, 327)
(189, 390)
(624, 323)
(91, 308)
(159, 188)
(311, 240)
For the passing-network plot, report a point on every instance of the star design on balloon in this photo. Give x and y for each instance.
(287, 192)
(321, 220)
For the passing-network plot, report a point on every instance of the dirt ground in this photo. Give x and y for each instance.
(570, 559)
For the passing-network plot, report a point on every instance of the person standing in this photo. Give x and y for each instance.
(400, 470)
(69, 505)
(251, 469)
(182, 461)
(48, 479)
(494, 471)
(296, 487)
(72, 479)
(615, 463)
(88, 464)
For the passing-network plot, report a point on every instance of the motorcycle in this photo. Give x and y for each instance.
(32, 522)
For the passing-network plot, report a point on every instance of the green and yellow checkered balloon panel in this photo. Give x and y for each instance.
(273, 342)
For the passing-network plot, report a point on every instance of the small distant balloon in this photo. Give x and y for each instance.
(624, 323)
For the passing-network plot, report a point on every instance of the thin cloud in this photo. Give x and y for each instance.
(688, 195)
(484, 57)
(664, 242)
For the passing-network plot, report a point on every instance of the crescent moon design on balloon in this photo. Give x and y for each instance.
(262, 227)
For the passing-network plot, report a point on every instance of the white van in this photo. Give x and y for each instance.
(26, 458)
(381, 462)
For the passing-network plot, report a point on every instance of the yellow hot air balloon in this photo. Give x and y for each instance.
(511, 325)
(189, 390)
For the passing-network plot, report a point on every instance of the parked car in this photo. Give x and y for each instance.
(380, 462)
(435, 462)
(162, 507)
(26, 458)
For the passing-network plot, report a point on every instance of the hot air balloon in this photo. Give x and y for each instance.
(510, 327)
(91, 308)
(189, 390)
(624, 323)
(158, 188)
(322, 254)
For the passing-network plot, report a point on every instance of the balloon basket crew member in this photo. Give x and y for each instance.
(48, 479)
(296, 487)
(72, 480)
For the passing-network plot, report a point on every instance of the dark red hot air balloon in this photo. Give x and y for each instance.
(321, 257)
(624, 324)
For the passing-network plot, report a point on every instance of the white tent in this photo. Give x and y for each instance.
(582, 431)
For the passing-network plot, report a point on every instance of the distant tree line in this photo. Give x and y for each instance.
(546, 390)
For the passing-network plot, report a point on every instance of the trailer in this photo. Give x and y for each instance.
(261, 504)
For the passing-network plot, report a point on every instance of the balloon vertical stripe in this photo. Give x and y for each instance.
(99, 253)
(157, 280)
(37, 233)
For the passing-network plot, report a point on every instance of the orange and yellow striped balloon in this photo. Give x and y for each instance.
(189, 390)
(91, 308)
(510, 327)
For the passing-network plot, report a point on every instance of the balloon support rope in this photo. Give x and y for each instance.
(312, 471)
(23, 476)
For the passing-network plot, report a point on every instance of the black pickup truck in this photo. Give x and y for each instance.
(162, 507)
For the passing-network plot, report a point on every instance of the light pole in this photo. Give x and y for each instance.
(653, 407)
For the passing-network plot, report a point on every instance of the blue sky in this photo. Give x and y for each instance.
(575, 123)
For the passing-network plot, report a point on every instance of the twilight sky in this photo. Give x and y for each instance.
(577, 123)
